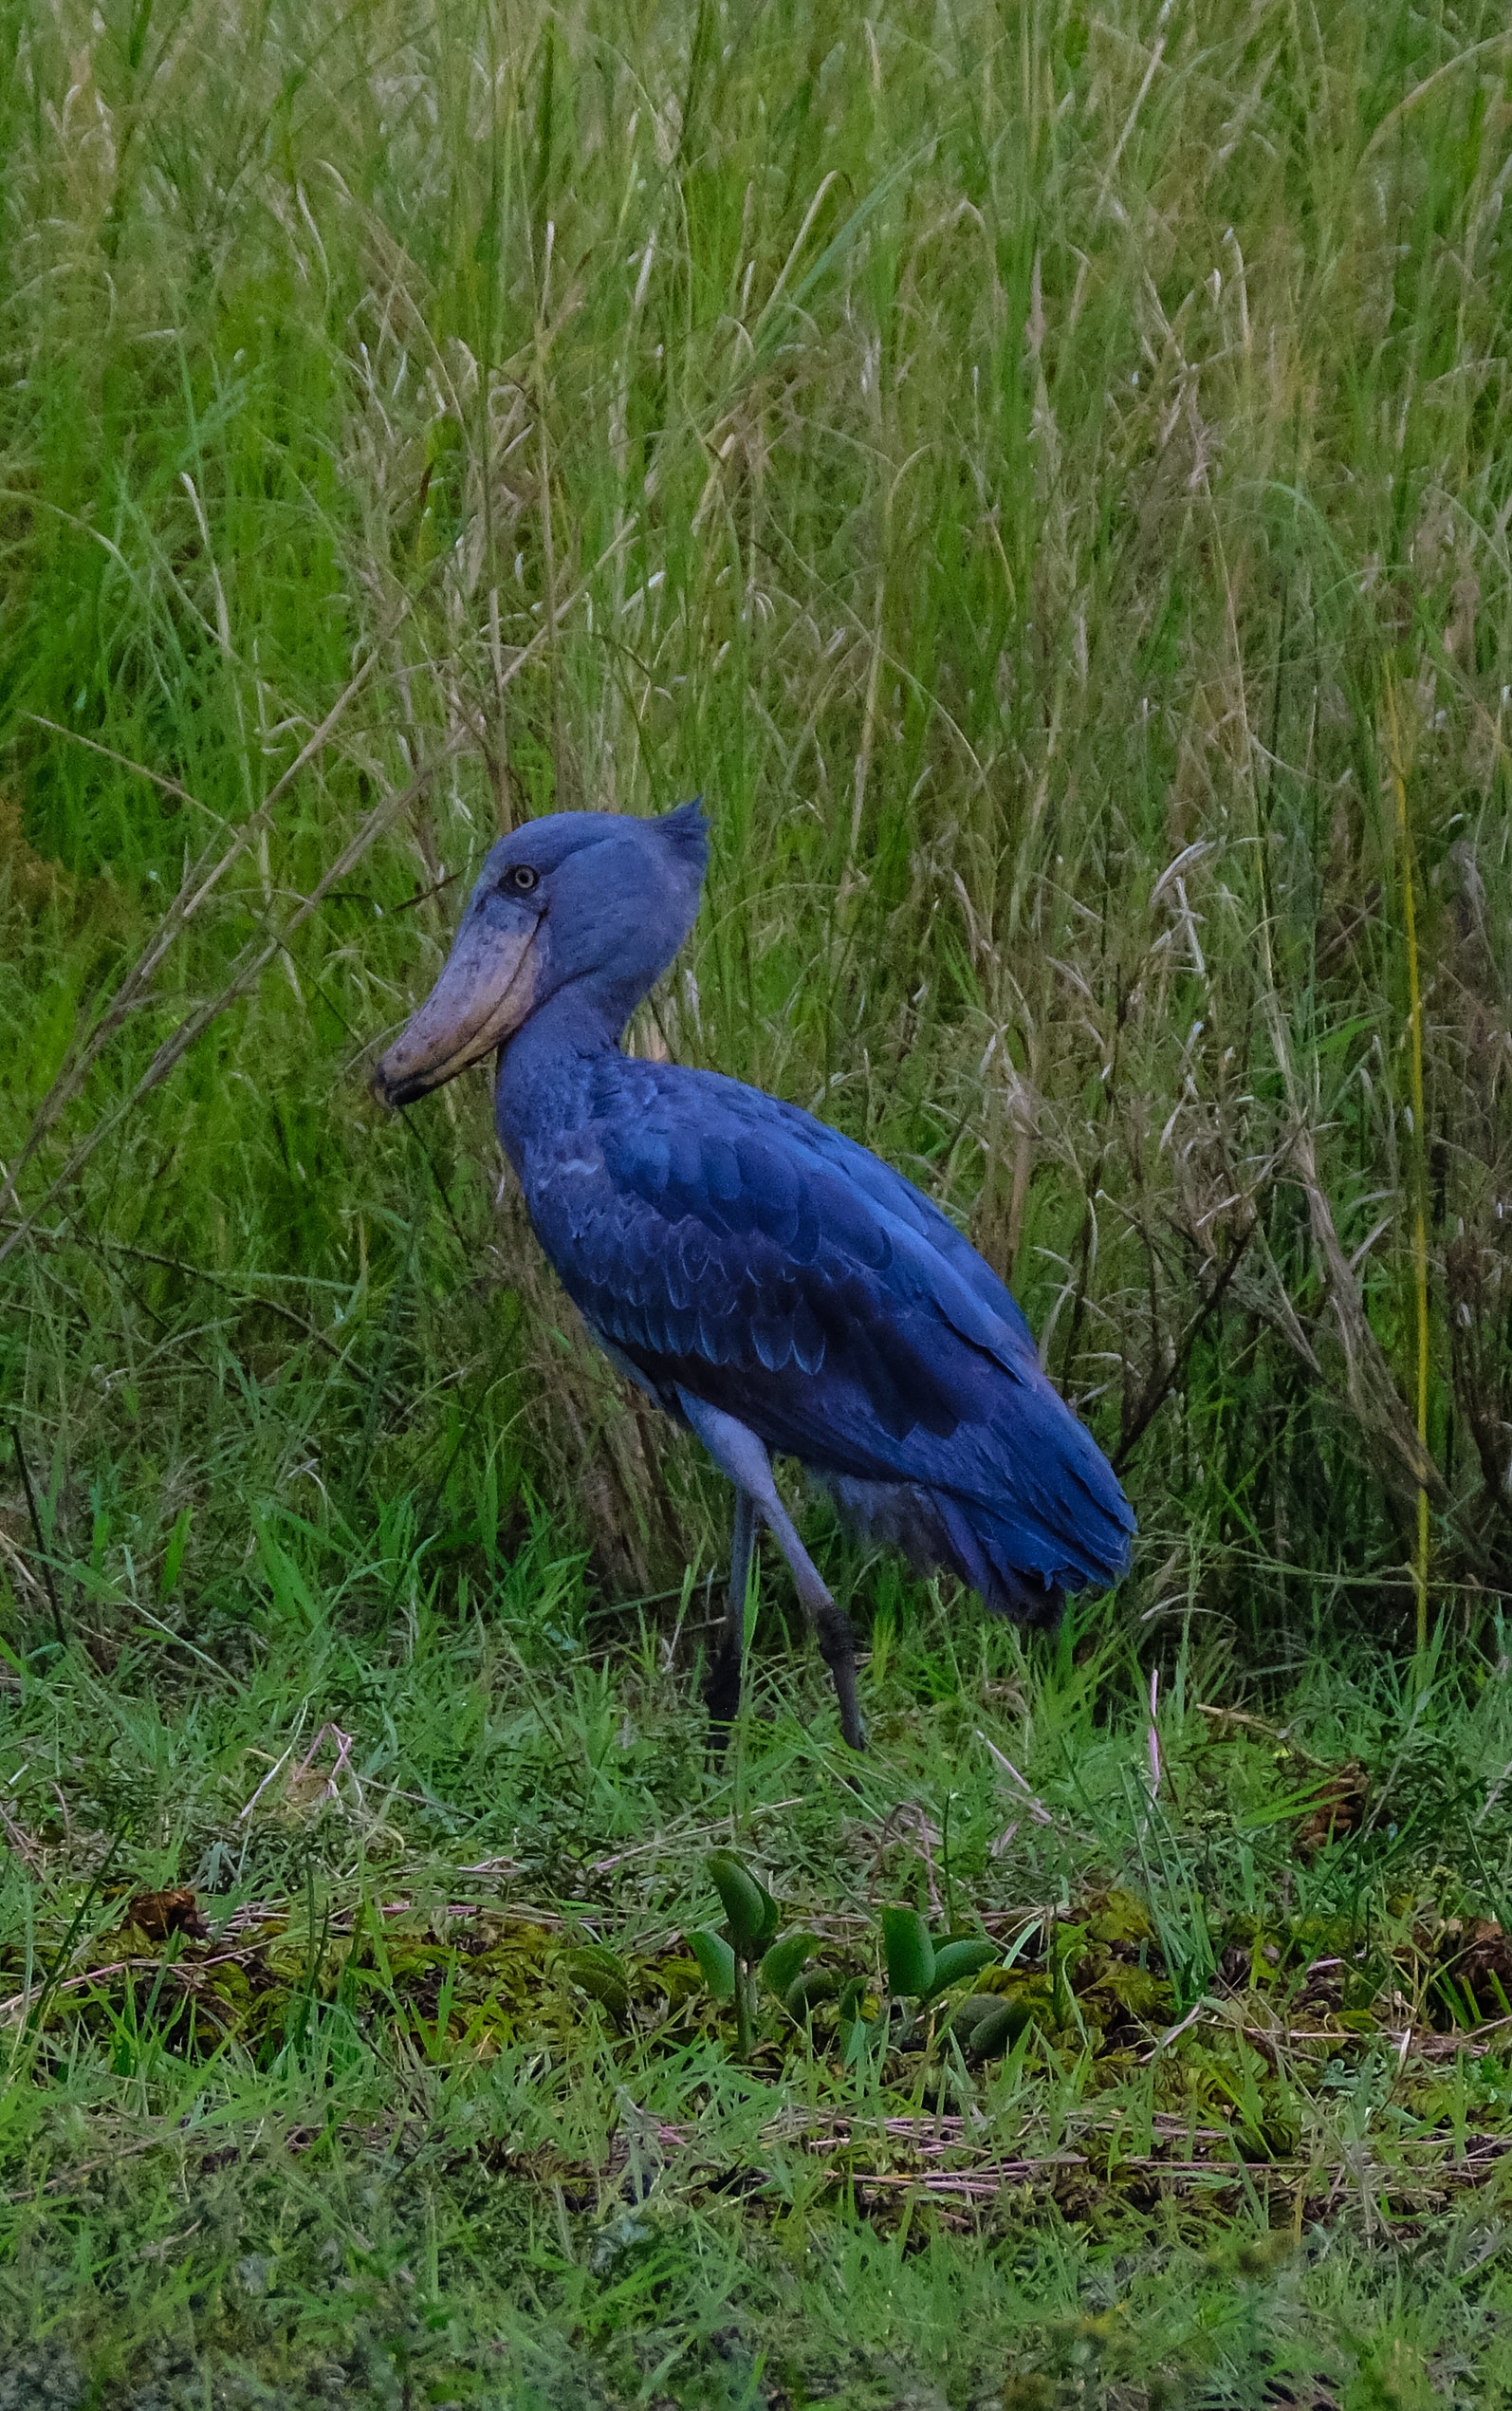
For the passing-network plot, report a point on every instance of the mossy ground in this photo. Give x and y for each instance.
(412, 2082)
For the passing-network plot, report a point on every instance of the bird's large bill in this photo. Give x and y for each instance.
(484, 993)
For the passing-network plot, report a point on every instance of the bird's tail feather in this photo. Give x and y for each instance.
(932, 1529)
(984, 1565)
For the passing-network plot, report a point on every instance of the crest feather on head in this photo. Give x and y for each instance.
(688, 827)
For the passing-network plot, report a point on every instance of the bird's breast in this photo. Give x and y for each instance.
(573, 1168)
(561, 1171)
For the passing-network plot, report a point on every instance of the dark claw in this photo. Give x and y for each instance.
(722, 1690)
(837, 1644)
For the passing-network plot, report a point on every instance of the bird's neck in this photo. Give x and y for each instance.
(546, 1072)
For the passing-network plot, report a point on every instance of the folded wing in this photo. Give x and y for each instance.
(727, 1244)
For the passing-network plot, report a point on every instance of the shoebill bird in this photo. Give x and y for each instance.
(772, 1286)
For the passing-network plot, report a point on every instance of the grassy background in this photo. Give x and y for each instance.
(1038, 474)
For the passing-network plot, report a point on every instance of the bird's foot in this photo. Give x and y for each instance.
(722, 1696)
(837, 1644)
(853, 1726)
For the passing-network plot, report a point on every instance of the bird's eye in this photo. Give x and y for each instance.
(523, 879)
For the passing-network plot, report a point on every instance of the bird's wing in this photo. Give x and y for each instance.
(897, 1197)
(733, 1246)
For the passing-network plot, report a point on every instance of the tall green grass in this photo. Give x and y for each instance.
(1003, 462)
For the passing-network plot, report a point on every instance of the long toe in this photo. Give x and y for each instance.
(853, 1728)
(722, 1688)
(842, 1664)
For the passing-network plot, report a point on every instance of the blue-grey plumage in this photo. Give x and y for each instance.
(767, 1281)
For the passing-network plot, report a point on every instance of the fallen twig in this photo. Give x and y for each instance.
(1031, 1799)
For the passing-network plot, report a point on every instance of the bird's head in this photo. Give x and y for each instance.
(592, 899)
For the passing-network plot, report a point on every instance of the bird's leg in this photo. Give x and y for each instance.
(837, 1641)
(722, 1688)
(739, 1454)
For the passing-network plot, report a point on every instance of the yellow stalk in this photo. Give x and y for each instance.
(1419, 1141)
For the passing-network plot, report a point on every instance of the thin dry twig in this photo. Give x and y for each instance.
(1031, 1799)
(256, 960)
(199, 881)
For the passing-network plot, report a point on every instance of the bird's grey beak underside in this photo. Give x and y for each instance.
(486, 990)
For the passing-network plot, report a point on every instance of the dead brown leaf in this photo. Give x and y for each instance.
(162, 1914)
(1336, 1808)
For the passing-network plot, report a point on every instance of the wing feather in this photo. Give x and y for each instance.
(732, 1246)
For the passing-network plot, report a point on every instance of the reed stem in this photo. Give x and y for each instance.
(1414, 993)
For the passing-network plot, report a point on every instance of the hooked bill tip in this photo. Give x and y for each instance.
(393, 1093)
